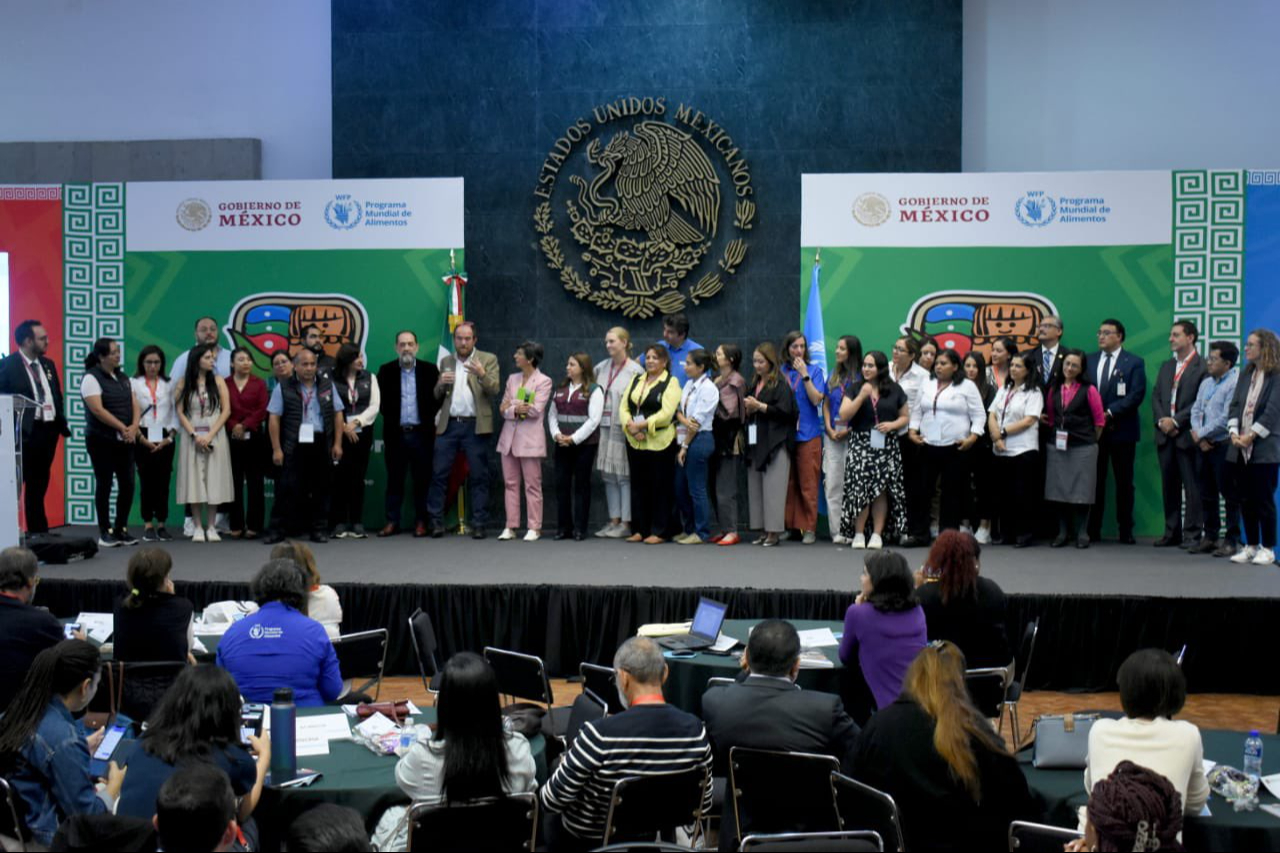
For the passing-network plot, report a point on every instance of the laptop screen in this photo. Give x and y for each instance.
(708, 618)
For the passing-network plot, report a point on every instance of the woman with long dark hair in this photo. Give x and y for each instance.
(111, 414)
(1013, 420)
(44, 753)
(873, 478)
(248, 396)
(1003, 349)
(771, 428)
(472, 754)
(844, 378)
(574, 421)
(910, 376)
(1073, 408)
(1252, 421)
(976, 371)
(884, 627)
(808, 385)
(204, 466)
(730, 442)
(361, 400)
(960, 604)
(153, 452)
(197, 719)
(946, 427)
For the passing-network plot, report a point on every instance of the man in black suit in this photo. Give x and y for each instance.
(409, 407)
(25, 631)
(1171, 400)
(1121, 378)
(28, 373)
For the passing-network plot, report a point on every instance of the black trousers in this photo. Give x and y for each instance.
(407, 452)
(653, 479)
(981, 459)
(1119, 455)
(249, 459)
(1217, 478)
(155, 473)
(1178, 473)
(112, 459)
(1015, 478)
(1256, 486)
(951, 465)
(347, 506)
(302, 491)
(918, 498)
(573, 486)
(38, 450)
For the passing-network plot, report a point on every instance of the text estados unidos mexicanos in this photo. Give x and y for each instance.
(944, 209)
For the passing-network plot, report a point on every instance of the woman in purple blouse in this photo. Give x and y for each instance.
(885, 626)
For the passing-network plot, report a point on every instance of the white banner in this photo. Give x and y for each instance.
(409, 213)
(987, 209)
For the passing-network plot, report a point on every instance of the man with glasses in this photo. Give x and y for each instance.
(1121, 378)
(28, 373)
(1209, 431)
(1175, 391)
(1048, 353)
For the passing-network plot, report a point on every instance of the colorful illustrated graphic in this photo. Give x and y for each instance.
(268, 323)
(969, 320)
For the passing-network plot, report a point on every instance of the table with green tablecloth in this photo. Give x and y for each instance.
(1062, 793)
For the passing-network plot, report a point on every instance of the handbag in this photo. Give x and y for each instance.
(397, 710)
(1062, 741)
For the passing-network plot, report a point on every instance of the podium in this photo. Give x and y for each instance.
(13, 407)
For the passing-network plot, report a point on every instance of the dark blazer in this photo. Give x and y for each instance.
(768, 713)
(1266, 415)
(1055, 373)
(774, 428)
(25, 632)
(1188, 387)
(1124, 424)
(389, 391)
(14, 379)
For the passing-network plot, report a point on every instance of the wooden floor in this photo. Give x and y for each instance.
(1235, 712)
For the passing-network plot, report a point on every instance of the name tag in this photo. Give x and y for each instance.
(682, 432)
(606, 419)
(155, 434)
(751, 434)
(46, 412)
(933, 432)
(1120, 388)
(202, 430)
(307, 434)
(1060, 439)
(877, 440)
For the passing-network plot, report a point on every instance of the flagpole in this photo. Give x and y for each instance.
(455, 320)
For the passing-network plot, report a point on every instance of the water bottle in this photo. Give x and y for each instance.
(1253, 756)
(284, 734)
(408, 734)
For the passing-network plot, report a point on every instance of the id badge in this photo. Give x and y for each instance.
(751, 434)
(202, 430)
(933, 432)
(682, 432)
(46, 412)
(1060, 439)
(1120, 388)
(155, 434)
(877, 440)
(307, 434)
(606, 418)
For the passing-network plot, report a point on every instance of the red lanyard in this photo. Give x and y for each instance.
(614, 370)
(151, 389)
(936, 395)
(306, 400)
(1177, 377)
(1009, 392)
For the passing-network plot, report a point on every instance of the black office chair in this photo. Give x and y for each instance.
(602, 683)
(814, 842)
(499, 825)
(363, 655)
(644, 847)
(1038, 837)
(988, 687)
(141, 684)
(522, 676)
(862, 807)
(423, 636)
(585, 709)
(781, 792)
(641, 807)
(720, 681)
(1022, 665)
(13, 826)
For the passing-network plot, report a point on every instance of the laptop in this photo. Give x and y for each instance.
(705, 628)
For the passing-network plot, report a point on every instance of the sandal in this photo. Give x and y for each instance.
(250, 534)
(635, 537)
(760, 540)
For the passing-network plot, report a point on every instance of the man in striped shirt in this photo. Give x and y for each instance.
(649, 737)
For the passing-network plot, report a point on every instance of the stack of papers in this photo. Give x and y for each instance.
(817, 638)
(812, 659)
(314, 733)
(97, 626)
(664, 629)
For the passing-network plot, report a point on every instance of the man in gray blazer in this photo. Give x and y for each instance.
(1171, 400)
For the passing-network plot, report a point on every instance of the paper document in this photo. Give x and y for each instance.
(1271, 809)
(375, 726)
(97, 626)
(816, 638)
(660, 629)
(197, 647)
(723, 643)
(312, 734)
(815, 660)
(312, 746)
(1272, 784)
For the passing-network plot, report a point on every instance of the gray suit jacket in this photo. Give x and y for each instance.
(485, 391)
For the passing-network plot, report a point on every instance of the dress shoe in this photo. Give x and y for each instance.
(579, 536)
(1082, 541)
(477, 532)
(272, 538)
(729, 539)
(1227, 548)
(389, 530)
(420, 530)
(561, 535)
(320, 536)
(1189, 544)
(715, 540)
(1127, 539)
(1166, 542)
(1026, 542)
(437, 531)
(1059, 541)
(1206, 546)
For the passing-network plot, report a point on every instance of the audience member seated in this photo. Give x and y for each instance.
(649, 737)
(151, 623)
(962, 606)
(197, 720)
(279, 645)
(322, 602)
(94, 833)
(471, 755)
(768, 710)
(43, 750)
(1152, 691)
(885, 625)
(1132, 809)
(328, 828)
(196, 810)
(25, 631)
(956, 786)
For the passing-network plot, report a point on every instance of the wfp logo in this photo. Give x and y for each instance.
(256, 632)
(1036, 209)
(343, 213)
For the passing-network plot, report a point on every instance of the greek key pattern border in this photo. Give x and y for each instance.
(1208, 250)
(1264, 177)
(93, 306)
(30, 193)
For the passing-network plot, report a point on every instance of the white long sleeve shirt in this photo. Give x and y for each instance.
(948, 414)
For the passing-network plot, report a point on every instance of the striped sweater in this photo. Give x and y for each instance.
(643, 740)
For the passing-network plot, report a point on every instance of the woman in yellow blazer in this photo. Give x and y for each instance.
(648, 417)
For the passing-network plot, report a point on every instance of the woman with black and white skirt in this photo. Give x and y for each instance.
(1073, 408)
(873, 483)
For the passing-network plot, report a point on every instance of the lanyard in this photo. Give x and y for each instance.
(614, 370)
(936, 395)
(1177, 377)
(151, 389)
(306, 401)
(1009, 392)
(1062, 393)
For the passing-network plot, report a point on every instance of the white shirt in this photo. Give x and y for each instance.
(366, 418)
(463, 402)
(1012, 405)
(324, 607)
(158, 412)
(595, 411)
(698, 401)
(911, 382)
(1101, 380)
(1171, 748)
(946, 417)
(44, 385)
(221, 364)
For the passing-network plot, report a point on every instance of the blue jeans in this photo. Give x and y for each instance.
(691, 486)
(460, 437)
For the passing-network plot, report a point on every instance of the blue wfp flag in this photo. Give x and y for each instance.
(813, 333)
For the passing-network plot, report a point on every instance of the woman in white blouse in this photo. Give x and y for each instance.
(154, 451)
(1012, 423)
(911, 377)
(696, 415)
(946, 425)
(574, 421)
(322, 601)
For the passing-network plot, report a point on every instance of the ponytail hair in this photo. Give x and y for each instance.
(56, 671)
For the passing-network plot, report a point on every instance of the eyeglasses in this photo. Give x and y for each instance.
(900, 349)
(1106, 333)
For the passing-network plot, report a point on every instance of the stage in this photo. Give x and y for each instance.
(573, 601)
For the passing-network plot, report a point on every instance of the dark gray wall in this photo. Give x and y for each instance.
(143, 160)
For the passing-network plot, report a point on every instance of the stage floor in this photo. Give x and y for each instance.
(1106, 569)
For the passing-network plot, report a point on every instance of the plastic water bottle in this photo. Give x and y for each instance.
(1253, 756)
(284, 734)
(408, 734)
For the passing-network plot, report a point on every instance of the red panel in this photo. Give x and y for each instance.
(31, 232)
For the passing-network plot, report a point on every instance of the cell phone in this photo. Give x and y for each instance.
(681, 654)
(251, 720)
(102, 756)
(69, 630)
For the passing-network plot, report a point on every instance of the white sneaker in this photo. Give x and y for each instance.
(211, 535)
(1264, 557)
(197, 534)
(188, 527)
(606, 530)
(875, 543)
(220, 523)
(619, 531)
(1245, 554)
(532, 536)
(983, 535)
(839, 540)
(858, 542)
(506, 535)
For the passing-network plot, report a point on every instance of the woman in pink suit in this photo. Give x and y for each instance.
(523, 441)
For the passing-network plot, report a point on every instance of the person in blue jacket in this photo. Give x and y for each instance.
(1121, 378)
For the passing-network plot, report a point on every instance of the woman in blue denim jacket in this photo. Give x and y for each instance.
(44, 750)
